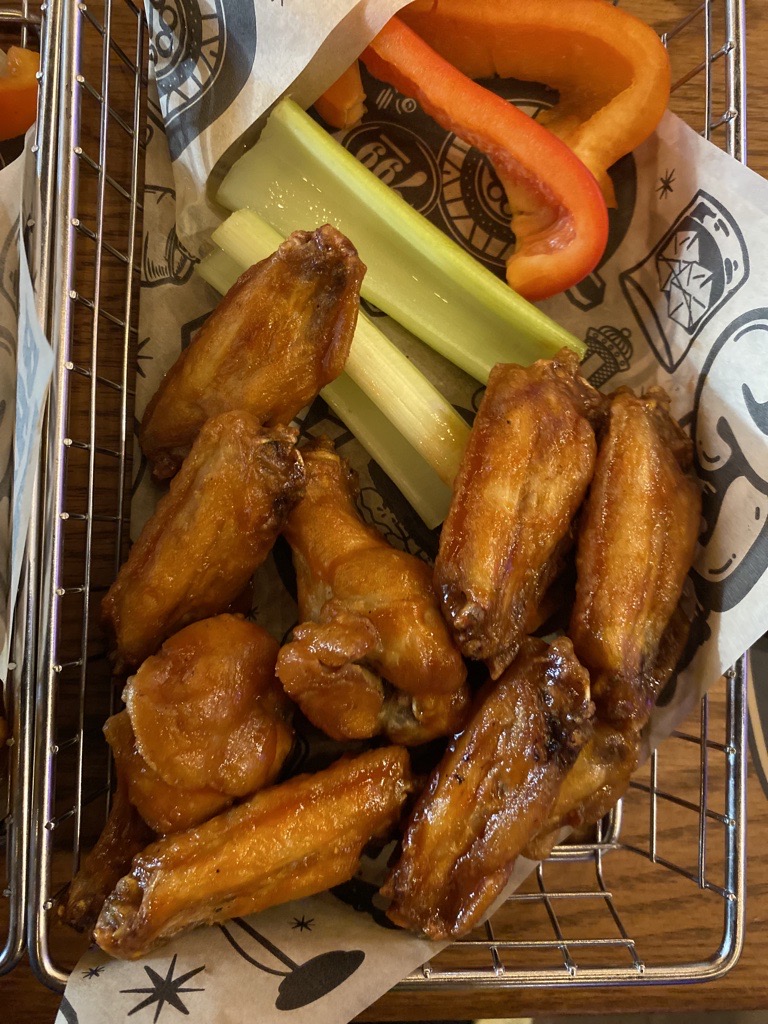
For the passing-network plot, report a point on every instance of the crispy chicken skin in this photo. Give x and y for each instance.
(125, 834)
(524, 473)
(286, 842)
(207, 711)
(605, 765)
(165, 808)
(207, 535)
(491, 792)
(635, 548)
(373, 654)
(280, 334)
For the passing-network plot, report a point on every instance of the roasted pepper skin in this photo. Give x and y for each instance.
(18, 92)
(611, 69)
(559, 216)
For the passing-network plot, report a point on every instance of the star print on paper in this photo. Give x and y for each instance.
(94, 972)
(303, 923)
(685, 282)
(164, 990)
(666, 181)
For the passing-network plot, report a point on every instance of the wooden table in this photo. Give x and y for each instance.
(24, 1001)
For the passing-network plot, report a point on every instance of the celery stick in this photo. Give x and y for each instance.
(220, 270)
(412, 403)
(419, 483)
(436, 429)
(298, 174)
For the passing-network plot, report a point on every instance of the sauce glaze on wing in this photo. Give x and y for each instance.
(526, 469)
(207, 710)
(635, 548)
(280, 334)
(286, 842)
(491, 792)
(373, 653)
(207, 536)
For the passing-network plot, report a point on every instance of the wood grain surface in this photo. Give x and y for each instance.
(672, 921)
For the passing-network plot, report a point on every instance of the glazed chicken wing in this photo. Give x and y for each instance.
(125, 834)
(635, 548)
(164, 807)
(375, 655)
(491, 792)
(524, 473)
(208, 534)
(284, 843)
(280, 334)
(207, 711)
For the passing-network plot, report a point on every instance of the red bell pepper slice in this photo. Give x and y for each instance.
(559, 215)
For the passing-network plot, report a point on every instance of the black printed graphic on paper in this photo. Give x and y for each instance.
(698, 265)
(165, 990)
(731, 446)
(609, 351)
(302, 983)
(202, 59)
(164, 259)
(454, 185)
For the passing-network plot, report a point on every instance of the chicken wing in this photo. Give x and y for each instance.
(524, 473)
(208, 534)
(491, 792)
(125, 834)
(280, 334)
(164, 807)
(286, 842)
(635, 548)
(375, 654)
(207, 711)
(605, 765)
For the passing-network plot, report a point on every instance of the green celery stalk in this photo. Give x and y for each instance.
(298, 174)
(419, 483)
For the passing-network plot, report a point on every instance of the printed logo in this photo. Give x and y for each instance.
(732, 461)
(699, 264)
(609, 351)
(195, 45)
(399, 158)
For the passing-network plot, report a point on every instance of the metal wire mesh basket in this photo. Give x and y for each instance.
(573, 924)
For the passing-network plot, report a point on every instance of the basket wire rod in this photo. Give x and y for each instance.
(627, 941)
(682, 24)
(736, 808)
(708, 71)
(568, 963)
(703, 791)
(125, 439)
(90, 504)
(63, 28)
(653, 808)
(736, 80)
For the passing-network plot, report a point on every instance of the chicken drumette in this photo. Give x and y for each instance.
(526, 469)
(373, 653)
(280, 334)
(211, 531)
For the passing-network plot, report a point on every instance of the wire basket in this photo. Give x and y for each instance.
(19, 26)
(572, 924)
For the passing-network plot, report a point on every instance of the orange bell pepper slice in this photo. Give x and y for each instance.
(343, 103)
(558, 213)
(18, 92)
(611, 69)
